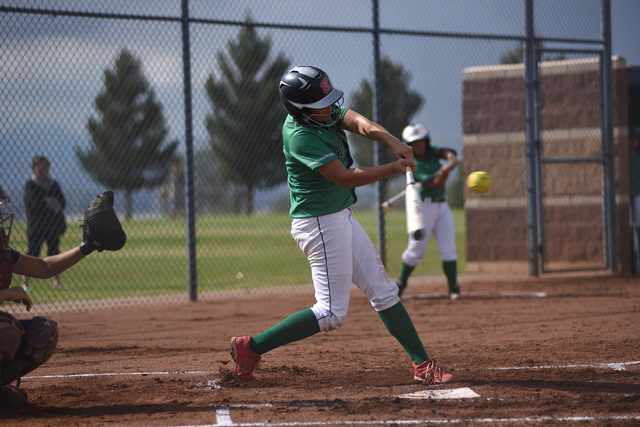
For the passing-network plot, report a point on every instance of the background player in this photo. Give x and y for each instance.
(322, 185)
(44, 204)
(14, 333)
(436, 215)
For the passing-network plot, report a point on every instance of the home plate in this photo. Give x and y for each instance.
(456, 393)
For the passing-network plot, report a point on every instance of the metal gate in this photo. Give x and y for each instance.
(572, 164)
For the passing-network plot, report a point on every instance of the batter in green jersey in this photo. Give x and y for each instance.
(322, 182)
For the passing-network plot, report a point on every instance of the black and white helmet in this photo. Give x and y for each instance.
(303, 88)
(6, 220)
(413, 133)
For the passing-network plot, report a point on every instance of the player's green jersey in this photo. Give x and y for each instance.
(426, 168)
(306, 148)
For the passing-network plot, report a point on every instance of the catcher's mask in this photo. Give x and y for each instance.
(6, 220)
(306, 88)
(413, 133)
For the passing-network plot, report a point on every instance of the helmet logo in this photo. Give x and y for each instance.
(325, 85)
(304, 83)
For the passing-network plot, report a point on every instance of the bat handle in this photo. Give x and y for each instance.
(409, 173)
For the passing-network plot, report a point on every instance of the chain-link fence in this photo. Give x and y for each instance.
(174, 105)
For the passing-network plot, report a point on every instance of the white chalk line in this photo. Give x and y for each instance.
(224, 420)
(223, 416)
(223, 413)
(502, 295)
(117, 374)
(617, 366)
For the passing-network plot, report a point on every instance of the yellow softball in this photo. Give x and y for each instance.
(479, 181)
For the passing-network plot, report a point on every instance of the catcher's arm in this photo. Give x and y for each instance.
(45, 268)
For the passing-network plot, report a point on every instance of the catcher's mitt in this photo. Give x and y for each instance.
(101, 229)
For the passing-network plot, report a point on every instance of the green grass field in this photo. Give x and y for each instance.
(233, 253)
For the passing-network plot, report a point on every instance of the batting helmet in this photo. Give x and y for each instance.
(303, 88)
(414, 133)
(6, 220)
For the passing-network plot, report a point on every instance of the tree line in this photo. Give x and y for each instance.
(130, 149)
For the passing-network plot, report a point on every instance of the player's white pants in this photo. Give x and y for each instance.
(437, 220)
(341, 253)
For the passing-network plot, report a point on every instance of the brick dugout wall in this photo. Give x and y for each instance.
(494, 141)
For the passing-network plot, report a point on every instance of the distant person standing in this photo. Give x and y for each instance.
(44, 204)
(174, 191)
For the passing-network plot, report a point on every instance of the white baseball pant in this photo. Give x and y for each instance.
(437, 220)
(341, 253)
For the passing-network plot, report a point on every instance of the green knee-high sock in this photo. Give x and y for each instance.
(405, 272)
(451, 271)
(298, 326)
(399, 324)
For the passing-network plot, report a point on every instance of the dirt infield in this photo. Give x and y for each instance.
(555, 350)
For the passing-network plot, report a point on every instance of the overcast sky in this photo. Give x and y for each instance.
(53, 67)
(77, 51)
(625, 30)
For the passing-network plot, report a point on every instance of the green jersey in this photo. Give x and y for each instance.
(306, 148)
(426, 168)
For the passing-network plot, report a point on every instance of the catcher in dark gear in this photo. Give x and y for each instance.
(27, 344)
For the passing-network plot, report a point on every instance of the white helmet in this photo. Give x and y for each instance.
(414, 133)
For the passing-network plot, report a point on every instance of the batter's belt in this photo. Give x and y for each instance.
(435, 199)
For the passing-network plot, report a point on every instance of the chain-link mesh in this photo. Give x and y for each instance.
(97, 88)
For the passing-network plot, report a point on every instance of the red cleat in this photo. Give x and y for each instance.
(429, 372)
(245, 359)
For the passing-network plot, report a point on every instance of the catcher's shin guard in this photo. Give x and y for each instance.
(12, 396)
(38, 344)
(11, 336)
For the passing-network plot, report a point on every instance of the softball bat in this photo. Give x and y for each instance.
(413, 206)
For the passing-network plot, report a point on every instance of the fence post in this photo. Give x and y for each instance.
(609, 180)
(188, 118)
(378, 149)
(530, 61)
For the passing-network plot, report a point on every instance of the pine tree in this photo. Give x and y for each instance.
(245, 127)
(128, 138)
